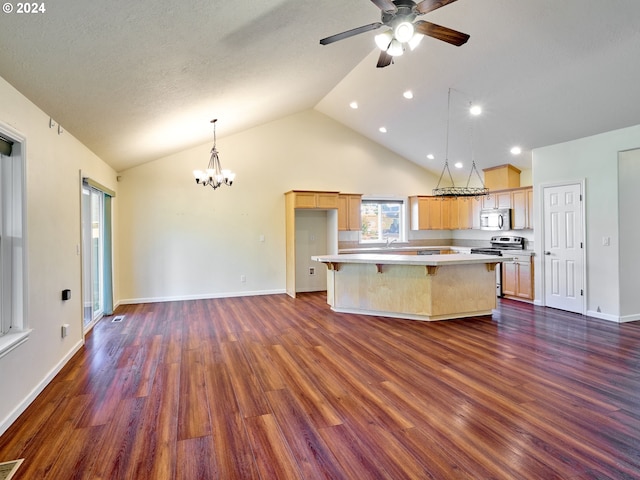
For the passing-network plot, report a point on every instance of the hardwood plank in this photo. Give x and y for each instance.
(193, 410)
(273, 456)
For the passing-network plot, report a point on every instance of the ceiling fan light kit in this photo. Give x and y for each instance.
(399, 16)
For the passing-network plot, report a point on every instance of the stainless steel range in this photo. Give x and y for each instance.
(500, 244)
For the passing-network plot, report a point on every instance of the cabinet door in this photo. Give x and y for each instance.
(519, 209)
(464, 213)
(476, 206)
(446, 206)
(525, 284)
(509, 278)
(343, 212)
(490, 201)
(355, 223)
(349, 212)
(503, 199)
(529, 208)
(327, 200)
(305, 200)
(435, 213)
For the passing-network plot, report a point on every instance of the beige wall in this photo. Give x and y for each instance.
(180, 240)
(53, 165)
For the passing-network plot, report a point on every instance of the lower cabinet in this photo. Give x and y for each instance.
(517, 278)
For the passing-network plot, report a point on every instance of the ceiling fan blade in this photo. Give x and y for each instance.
(441, 33)
(384, 60)
(386, 5)
(427, 6)
(350, 33)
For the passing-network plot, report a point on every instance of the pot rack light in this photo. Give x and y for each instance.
(453, 191)
(214, 175)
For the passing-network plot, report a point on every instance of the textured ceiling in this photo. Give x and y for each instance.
(135, 81)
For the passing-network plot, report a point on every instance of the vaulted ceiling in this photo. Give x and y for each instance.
(135, 81)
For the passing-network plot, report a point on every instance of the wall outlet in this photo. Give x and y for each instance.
(606, 241)
(312, 270)
(64, 331)
(243, 279)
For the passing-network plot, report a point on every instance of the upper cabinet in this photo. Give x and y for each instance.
(461, 213)
(502, 177)
(444, 213)
(349, 212)
(311, 199)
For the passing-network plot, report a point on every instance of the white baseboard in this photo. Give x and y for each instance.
(606, 316)
(130, 301)
(629, 318)
(22, 406)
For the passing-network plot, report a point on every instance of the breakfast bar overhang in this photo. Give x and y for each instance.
(415, 287)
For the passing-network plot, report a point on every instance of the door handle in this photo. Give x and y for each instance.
(547, 253)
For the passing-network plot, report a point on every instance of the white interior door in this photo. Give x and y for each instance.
(564, 247)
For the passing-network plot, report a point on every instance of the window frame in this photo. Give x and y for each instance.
(402, 218)
(13, 255)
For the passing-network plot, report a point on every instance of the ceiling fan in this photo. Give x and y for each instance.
(399, 16)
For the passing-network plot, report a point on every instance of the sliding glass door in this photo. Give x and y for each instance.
(92, 254)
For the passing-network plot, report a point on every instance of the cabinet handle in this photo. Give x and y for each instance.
(547, 253)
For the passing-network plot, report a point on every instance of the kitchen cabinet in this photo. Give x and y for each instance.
(296, 200)
(519, 209)
(311, 199)
(349, 212)
(519, 200)
(522, 208)
(468, 209)
(426, 213)
(444, 213)
(517, 277)
(500, 199)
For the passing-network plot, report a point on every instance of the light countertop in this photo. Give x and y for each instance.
(430, 260)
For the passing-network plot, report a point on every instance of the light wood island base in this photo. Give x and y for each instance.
(435, 287)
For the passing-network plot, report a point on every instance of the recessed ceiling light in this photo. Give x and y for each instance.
(383, 129)
(458, 164)
(516, 151)
(431, 156)
(408, 94)
(475, 110)
(354, 105)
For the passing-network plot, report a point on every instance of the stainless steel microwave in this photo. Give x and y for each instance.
(495, 219)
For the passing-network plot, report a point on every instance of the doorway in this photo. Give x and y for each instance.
(564, 259)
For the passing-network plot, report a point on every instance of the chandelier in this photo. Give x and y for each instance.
(214, 176)
(454, 191)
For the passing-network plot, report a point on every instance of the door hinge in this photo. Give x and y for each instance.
(581, 292)
(580, 197)
(581, 245)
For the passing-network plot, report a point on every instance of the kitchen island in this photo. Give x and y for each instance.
(431, 287)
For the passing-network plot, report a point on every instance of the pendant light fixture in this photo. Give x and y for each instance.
(214, 176)
(454, 191)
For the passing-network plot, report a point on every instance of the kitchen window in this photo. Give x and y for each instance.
(382, 220)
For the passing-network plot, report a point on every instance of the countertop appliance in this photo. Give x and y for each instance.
(495, 219)
(498, 245)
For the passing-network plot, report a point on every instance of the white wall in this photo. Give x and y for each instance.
(53, 165)
(179, 240)
(629, 233)
(594, 159)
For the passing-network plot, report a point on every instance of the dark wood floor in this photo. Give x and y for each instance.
(274, 388)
